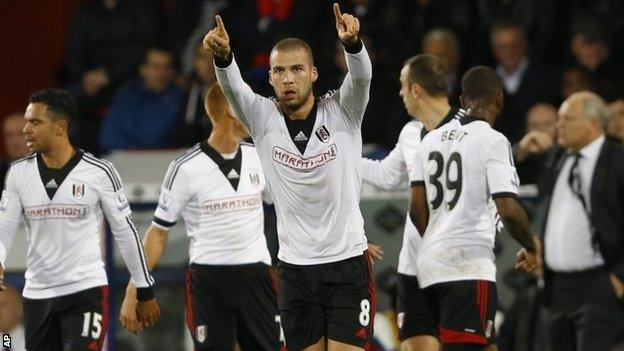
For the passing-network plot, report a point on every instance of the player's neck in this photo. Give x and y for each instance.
(59, 155)
(300, 112)
(223, 141)
(435, 111)
(481, 113)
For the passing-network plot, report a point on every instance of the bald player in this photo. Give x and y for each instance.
(217, 188)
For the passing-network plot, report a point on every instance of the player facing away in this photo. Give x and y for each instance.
(424, 93)
(460, 166)
(63, 195)
(217, 187)
(310, 150)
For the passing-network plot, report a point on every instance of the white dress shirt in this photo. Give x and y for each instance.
(568, 235)
(512, 81)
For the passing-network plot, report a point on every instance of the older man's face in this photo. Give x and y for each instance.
(573, 128)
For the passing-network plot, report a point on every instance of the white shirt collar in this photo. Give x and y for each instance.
(592, 150)
(512, 80)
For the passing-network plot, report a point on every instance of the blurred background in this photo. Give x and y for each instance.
(138, 72)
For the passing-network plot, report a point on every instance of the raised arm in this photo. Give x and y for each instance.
(388, 173)
(247, 105)
(354, 91)
(10, 212)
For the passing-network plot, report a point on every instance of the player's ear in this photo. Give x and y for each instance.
(416, 89)
(61, 127)
(314, 74)
(271, 77)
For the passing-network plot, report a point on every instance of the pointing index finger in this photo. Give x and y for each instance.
(337, 13)
(220, 23)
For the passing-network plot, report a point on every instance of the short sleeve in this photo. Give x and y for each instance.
(502, 179)
(174, 195)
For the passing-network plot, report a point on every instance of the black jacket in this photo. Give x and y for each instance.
(607, 201)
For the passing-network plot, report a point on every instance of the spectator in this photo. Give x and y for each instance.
(582, 231)
(525, 81)
(575, 79)
(145, 110)
(12, 317)
(107, 40)
(196, 125)
(531, 152)
(615, 124)
(14, 142)
(442, 43)
(590, 49)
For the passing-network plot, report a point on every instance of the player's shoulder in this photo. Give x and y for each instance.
(412, 129)
(247, 146)
(24, 161)
(187, 156)
(101, 167)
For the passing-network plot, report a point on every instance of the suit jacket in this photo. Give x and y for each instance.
(606, 198)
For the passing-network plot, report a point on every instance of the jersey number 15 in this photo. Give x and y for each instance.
(455, 185)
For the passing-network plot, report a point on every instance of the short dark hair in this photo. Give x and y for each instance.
(507, 24)
(60, 103)
(289, 44)
(427, 71)
(481, 84)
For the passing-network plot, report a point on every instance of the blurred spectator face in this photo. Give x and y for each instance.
(574, 81)
(589, 52)
(442, 44)
(542, 118)
(157, 71)
(509, 47)
(11, 310)
(615, 125)
(12, 132)
(574, 128)
(292, 75)
(409, 100)
(202, 63)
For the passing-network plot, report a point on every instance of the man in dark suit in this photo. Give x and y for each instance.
(583, 230)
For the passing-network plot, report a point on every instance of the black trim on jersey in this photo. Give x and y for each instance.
(27, 157)
(149, 280)
(355, 47)
(112, 176)
(296, 126)
(58, 175)
(177, 163)
(221, 63)
(416, 183)
(226, 166)
(504, 194)
(469, 119)
(163, 222)
(453, 113)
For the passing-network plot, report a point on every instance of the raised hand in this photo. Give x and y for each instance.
(348, 26)
(218, 40)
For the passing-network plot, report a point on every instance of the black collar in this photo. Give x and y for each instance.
(231, 169)
(452, 113)
(305, 126)
(52, 178)
(469, 119)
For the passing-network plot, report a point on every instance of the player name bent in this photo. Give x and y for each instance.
(55, 211)
(299, 163)
(231, 204)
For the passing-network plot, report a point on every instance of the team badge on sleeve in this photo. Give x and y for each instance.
(122, 201)
(201, 333)
(78, 190)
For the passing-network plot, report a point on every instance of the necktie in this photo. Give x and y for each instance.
(574, 180)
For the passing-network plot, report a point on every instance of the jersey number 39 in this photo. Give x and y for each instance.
(454, 183)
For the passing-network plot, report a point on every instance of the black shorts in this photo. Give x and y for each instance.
(229, 304)
(75, 322)
(414, 317)
(336, 300)
(462, 310)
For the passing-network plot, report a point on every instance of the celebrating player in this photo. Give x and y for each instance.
(310, 151)
(62, 193)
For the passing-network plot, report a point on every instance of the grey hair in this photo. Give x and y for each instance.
(442, 34)
(594, 107)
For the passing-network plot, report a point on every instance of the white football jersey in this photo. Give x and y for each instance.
(64, 221)
(393, 171)
(462, 164)
(221, 203)
(316, 188)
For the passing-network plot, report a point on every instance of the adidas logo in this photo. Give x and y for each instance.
(301, 137)
(51, 184)
(232, 174)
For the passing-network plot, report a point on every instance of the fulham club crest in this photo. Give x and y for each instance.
(78, 190)
(322, 133)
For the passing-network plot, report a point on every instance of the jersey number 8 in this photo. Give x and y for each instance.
(451, 184)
